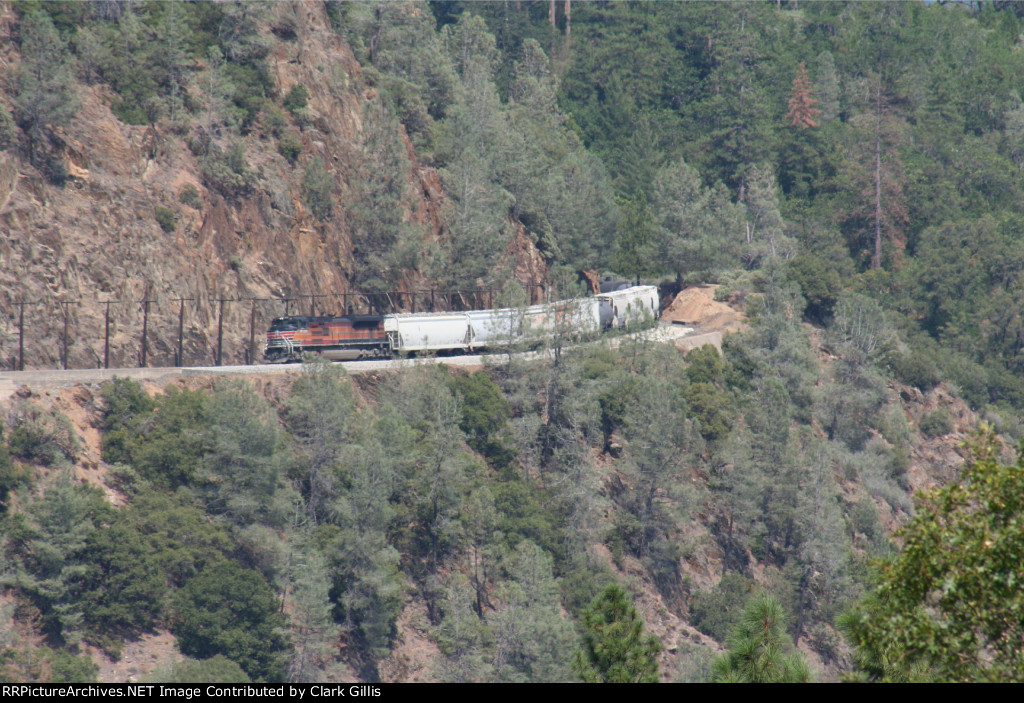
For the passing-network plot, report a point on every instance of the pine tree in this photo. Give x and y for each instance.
(476, 152)
(614, 647)
(802, 101)
(533, 640)
(464, 639)
(757, 649)
(876, 172)
(739, 136)
(369, 582)
(47, 553)
(699, 228)
(384, 246)
(637, 255)
(313, 629)
(46, 93)
(240, 473)
(765, 228)
(317, 416)
(827, 84)
(562, 193)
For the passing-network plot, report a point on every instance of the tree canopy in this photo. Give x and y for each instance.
(615, 649)
(949, 607)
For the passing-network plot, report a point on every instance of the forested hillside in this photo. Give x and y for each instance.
(849, 175)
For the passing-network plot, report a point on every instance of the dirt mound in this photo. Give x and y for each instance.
(697, 306)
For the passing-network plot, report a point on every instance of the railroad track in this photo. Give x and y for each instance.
(48, 379)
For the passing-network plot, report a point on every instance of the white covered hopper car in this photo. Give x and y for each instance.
(629, 306)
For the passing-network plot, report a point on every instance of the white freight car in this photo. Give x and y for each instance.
(533, 323)
(578, 318)
(634, 305)
(495, 327)
(417, 332)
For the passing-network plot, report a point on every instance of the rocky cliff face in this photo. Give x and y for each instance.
(98, 239)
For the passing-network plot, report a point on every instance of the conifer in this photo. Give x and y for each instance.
(802, 101)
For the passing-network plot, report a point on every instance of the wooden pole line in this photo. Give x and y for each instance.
(312, 302)
(179, 357)
(252, 330)
(66, 308)
(145, 326)
(106, 331)
(220, 328)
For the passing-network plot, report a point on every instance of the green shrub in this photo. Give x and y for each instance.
(55, 171)
(274, 121)
(175, 439)
(484, 413)
(705, 365)
(119, 584)
(67, 668)
(1003, 384)
(711, 407)
(819, 282)
(8, 132)
(971, 379)
(285, 28)
(625, 537)
(124, 479)
(126, 407)
(297, 98)
(190, 196)
(44, 436)
(824, 640)
(317, 187)
(290, 146)
(251, 84)
(526, 513)
(232, 611)
(892, 424)
(717, 611)
(228, 172)
(863, 519)
(165, 218)
(216, 669)
(936, 423)
(918, 369)
(11, 475)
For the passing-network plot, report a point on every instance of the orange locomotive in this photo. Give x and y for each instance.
(339, 338)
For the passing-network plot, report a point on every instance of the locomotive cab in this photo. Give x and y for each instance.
(337, 338)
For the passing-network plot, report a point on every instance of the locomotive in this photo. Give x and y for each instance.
(351, 337)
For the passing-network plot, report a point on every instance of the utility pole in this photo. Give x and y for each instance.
(145, 326)
(220, 328)
(252, 330)
(65, 307)
(106, 332)
(181, 328)
(312, 303)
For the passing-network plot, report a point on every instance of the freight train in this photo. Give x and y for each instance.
(351, 337)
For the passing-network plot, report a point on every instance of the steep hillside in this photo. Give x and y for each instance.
(97, 237)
